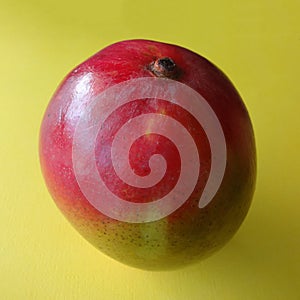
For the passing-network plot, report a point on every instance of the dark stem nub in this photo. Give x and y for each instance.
(164, 67)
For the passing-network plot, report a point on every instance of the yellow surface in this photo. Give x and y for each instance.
(257, 43)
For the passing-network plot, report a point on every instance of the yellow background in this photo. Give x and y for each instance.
(257, 43)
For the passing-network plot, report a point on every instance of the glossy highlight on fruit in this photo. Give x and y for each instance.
(149, 152)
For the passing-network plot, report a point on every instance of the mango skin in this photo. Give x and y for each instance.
(187, 235)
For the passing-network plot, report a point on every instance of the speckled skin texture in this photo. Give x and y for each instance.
(189, 233)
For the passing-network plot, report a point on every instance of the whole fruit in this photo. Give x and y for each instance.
(149, 152)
